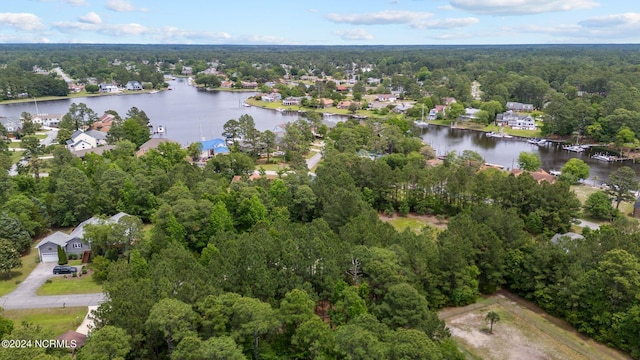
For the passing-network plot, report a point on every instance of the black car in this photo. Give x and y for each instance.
(60, 269)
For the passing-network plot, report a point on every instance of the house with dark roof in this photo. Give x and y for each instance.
(516, 106)
(72, 243)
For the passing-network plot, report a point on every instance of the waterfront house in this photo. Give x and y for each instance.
(289, 101)
(539, 176)
(469, 114)
(249, 84)
(325, 103)
(46, 119)
(72, 243)
(516, 120)
(271, 97)
(187, 70)
(345, 104)
(133, 86)
(402, 108)
(437, 110)
(108, 88)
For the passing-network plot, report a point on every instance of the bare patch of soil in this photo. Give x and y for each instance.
(523, 332)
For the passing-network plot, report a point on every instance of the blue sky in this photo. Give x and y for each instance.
(328, 22)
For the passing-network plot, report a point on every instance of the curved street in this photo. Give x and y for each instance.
(24, 296)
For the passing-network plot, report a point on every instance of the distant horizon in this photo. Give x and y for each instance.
(326, 23)
(320, 45)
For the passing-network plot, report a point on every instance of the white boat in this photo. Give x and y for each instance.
(501, 134)
(604, 157)
(421, 124)
(573, 148)
(245, 104)
(538, 142)
(280, 109)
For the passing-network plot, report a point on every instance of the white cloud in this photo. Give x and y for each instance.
(21, 21)
(120, 6)
(520, 7)
(613, 21)
(90, 18)
(170, 34)
(448, 23)
(381, 18)
(266, 39)
(72, 2)
(353, 34)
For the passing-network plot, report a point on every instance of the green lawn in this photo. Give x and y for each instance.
(272, 167)
(16, 156)
(402, 223)
(8, 283)
(53, 321)
(60, 285)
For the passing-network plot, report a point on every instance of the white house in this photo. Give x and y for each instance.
(82, 141)
(46, 119)
(133, 86)
(516, 120)
(108, 88)
(71, 243)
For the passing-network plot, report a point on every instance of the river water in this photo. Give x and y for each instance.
(189, 115)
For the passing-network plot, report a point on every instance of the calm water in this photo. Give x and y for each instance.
(189, 115)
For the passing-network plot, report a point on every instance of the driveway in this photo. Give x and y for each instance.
(24, 296)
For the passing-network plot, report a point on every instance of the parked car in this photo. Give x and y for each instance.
(60, 269)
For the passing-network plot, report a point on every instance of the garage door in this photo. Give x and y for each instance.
(49, 257)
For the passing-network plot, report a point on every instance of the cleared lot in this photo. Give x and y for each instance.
(523, 333)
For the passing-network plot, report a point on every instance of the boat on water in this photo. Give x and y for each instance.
(280, 109)
(500, 134)
(573, 148)
(245, 104)
(604, 157)
(421, 124)
(538, 142)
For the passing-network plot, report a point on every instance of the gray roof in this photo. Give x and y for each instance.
(78, 232)
(115, 218)
(98, 135)
(58, 238)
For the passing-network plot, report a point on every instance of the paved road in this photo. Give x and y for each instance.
(24, 296)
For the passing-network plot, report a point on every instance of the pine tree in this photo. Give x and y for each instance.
(62, 256)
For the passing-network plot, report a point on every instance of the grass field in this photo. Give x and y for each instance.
(583, 192)
(10, 282)
(60, 285)
(415, 223)
(53, 321)
(523, 332)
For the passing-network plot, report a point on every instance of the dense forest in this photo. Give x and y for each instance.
(301, 267)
